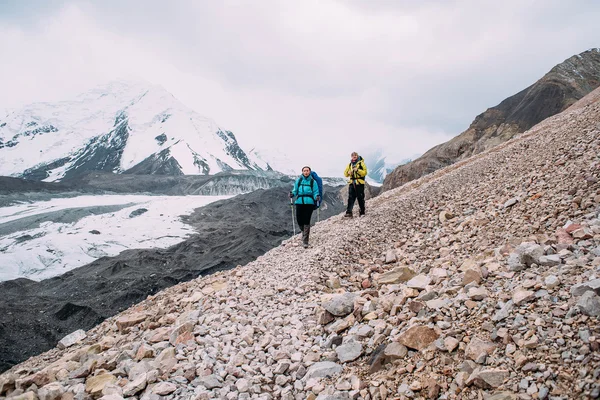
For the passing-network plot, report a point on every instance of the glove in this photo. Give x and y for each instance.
(291, 195)
(318, 199)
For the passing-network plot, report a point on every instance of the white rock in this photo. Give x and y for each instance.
(71, 339)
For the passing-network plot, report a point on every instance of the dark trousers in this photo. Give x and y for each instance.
(356, 192)
(303, 214)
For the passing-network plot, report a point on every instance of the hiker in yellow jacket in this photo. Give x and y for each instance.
(356, 171)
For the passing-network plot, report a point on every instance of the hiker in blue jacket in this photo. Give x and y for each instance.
(306, 191)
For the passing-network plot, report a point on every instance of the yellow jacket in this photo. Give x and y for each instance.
(357, 174)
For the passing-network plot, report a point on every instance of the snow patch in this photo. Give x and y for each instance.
(55, 248)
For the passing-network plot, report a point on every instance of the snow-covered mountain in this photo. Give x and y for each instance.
(275, 160)
(121, 127)
(378, 165)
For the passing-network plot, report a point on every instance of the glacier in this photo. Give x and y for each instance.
(45, 239)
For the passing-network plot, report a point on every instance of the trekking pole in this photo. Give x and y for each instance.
(293, 218)
(319, 214)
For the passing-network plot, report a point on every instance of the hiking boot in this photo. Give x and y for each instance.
(348, 215)
(305, 235)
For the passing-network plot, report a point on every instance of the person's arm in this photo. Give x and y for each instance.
(315, 190)
(347, 171)
(362, 172)
(295, 188)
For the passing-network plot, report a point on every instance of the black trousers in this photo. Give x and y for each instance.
(356, 192)
(304, 213)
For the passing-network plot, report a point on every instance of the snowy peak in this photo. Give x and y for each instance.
(273, 160)
(379, 166)
(120, 127)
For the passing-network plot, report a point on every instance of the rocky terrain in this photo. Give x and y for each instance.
(34, 316)
(554, 92)
(479, 281)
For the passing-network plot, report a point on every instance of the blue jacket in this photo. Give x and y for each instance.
(306, 189)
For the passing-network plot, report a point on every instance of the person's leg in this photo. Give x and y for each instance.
(301, 210)
(351, 199)
(360, 195)
(308, 214)
(299, 216)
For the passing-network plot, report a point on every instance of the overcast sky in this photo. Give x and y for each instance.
(315, 79)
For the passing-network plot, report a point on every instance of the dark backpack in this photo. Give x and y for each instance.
(320, 185)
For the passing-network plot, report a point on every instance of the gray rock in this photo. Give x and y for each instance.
(502, 396)
(377, 359)
(510, 202)
(426, 296)
(112, 396)
(443, 324)
(364, 331)
(419, 282)
(521, 295)
(395, 350)
(589, 304)
(450, 344)
(52, 391)
(404, 389)
(488, 378)
(335, 396)
(504, 312)
(341, 305)
(242, 385)
(543, 392)
(580, 289)
(164, 388)
(390, 257)
(551, 281)
(211, 381)
(514, 262)
(71, 339)
(584, 335)
(477, 348)
(135, 386)
(349, 351)
(322, 369)
(137, 212)
(438, 303)
(281, 367)
(550, 261)
(477, 293)
(530, 253)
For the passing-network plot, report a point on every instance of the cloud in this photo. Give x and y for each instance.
(315, 79)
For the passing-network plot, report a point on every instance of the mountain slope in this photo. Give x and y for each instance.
(120, 127)
(557, 90)
(476, 281)
(35, 315)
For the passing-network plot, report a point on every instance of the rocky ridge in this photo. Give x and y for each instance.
(562, 86)
(477, 281)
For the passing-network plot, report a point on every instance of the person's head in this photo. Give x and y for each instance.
(306, 171)
(354, 156)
